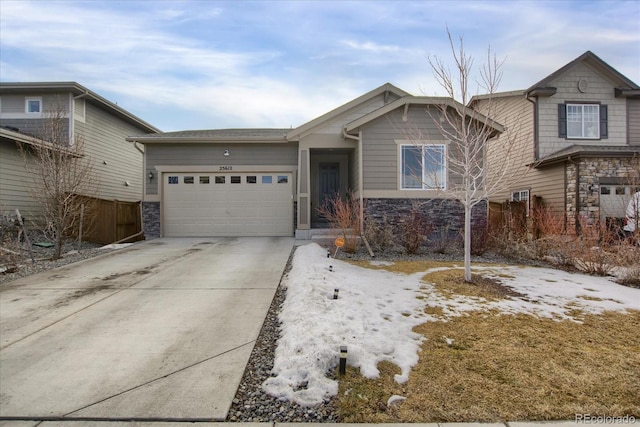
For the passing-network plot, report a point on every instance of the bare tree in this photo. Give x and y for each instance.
(62, 174)
(468, 134)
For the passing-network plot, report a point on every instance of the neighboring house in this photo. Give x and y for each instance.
(270, 182)
(577, 134)
(24, 109)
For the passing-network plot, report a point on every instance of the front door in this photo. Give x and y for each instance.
(329, 185)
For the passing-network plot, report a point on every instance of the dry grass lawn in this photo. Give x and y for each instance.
(506, 368)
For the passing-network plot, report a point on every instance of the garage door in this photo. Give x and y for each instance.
(233, 204)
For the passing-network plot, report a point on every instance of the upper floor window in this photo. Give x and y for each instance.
(33, 105)
(582, 121)
(423, 166)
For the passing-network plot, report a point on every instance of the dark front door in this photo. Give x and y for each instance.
(329, 187)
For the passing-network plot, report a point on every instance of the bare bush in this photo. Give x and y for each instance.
(414, 230)
(344, 214)
(380, 235)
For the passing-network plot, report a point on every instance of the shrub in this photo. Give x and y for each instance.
(380, 235)
(343, 213)
(414, 230)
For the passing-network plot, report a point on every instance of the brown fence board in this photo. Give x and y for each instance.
(113, 220)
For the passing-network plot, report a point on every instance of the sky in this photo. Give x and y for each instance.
(196, 64)
(376, 311)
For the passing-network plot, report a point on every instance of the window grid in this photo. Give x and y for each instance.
(583, 121)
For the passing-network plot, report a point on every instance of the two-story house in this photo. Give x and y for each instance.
(576, 136)
(102, 124)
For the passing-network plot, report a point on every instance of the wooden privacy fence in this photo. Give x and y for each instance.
(112, 220)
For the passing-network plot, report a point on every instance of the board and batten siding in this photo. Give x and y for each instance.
(599, 90)
(115, 161)
(15, 183)
(380, 150)
(179, 154)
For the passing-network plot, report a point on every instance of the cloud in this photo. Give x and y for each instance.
(262, 63)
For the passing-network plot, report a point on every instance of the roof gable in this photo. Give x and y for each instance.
(407, 101)
(385, 89)
(607, 71)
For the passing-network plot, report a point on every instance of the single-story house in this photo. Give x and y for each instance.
(270, 182)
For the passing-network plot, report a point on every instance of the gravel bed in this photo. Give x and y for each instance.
(21, 266)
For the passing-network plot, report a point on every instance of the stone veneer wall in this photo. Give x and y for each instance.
(444, 215)
(151, 219)
(591, 170)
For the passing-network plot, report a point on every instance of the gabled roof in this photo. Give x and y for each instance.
(422, 100)
(595, 62)
(578, 150)
(77, 90)
(214, 135)
(387, 87)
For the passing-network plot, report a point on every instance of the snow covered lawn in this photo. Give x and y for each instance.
(376, 311)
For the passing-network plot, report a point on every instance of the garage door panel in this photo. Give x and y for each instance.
(256, 206)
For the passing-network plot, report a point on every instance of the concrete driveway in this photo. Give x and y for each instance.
(160, 330)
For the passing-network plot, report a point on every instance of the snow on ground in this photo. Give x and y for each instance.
(376, 311)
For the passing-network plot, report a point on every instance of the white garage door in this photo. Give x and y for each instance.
(227, 204)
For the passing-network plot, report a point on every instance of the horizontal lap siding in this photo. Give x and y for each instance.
(104, 137)
(599, 90)
(633, 111)
(15, 183)
(213, 154)
(380, 151)
(510, 153)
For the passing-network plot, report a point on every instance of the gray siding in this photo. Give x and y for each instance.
(336, 126)
(15, 183)
(115, 160)
(633, 120)
(380, 151)
(600, 90)
(213, 154)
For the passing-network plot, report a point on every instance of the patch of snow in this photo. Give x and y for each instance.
(395, 400)
(381, 263)
(376, 311)
(116, 246)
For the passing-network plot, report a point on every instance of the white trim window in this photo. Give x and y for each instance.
(33, 105)
(521, 196)
(583, 121)
(423, 167)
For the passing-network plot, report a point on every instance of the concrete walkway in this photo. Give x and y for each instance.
(160, 331)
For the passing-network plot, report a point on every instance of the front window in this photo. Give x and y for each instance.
(423, 166)
(583, 121)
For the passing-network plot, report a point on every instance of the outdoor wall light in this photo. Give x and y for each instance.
(226, 153)
(150, 175)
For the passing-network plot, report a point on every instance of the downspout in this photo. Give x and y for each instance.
(536, 148)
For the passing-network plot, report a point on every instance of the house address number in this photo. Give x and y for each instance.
(226, 168)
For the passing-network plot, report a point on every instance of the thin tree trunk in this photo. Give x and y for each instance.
(467, 242)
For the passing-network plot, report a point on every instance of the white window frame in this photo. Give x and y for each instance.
(424, 178)
(29, 99)
(519, 198)
(583, 133)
